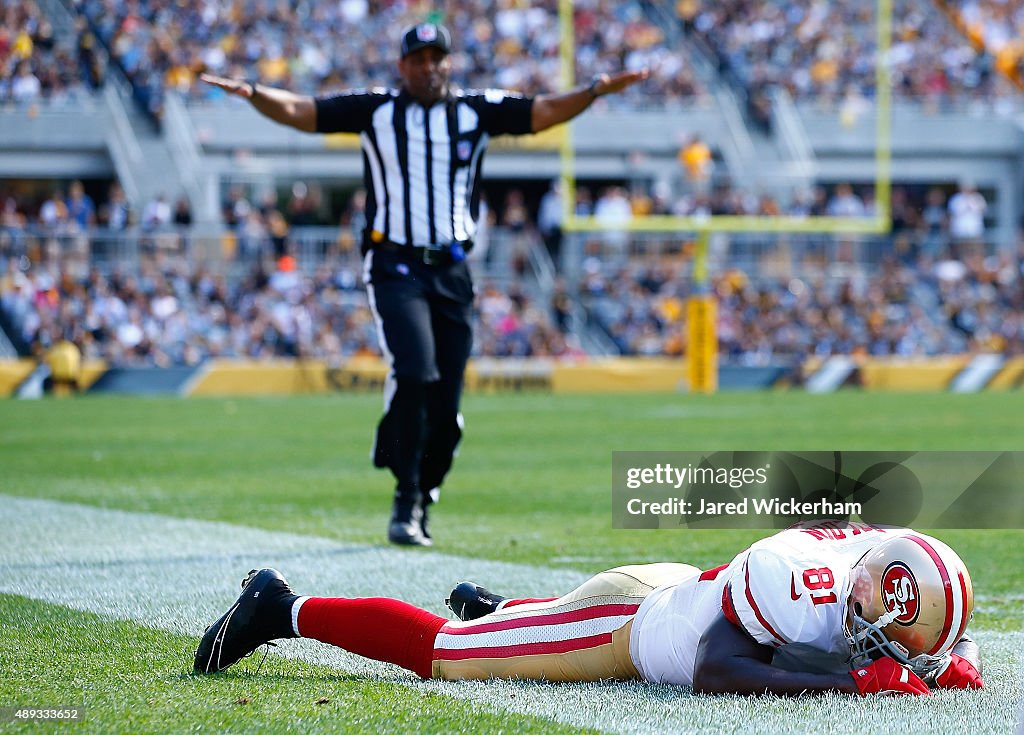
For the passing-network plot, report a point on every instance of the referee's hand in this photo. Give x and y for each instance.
(239, 87)
(613, 83)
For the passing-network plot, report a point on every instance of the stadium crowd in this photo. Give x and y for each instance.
(795, 44)
(924, 307)
(169, 312)
(35, 67)
(995, 26)
(914, 302)
(939, 57)
(322, 47)
(173, 310)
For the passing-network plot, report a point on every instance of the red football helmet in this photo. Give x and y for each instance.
(911, 600)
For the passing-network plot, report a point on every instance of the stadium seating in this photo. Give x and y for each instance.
(794, 44)
(174, 300)
(162, 304)
(35, 67)
(790, 300)
(994, 27)
(325, 47)
(925, 307)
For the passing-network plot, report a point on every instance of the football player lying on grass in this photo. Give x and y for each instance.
(819, 608)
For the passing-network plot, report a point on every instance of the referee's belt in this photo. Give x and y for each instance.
(442, 254)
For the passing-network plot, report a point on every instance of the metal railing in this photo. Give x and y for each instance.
(234, 252)
(231, 252)
(762, 256)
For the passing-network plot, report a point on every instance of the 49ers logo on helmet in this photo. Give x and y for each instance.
(899, 592)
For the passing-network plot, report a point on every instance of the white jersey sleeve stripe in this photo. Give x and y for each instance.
(753, 606)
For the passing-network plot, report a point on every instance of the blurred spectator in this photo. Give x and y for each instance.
(10, 217)
(855, 105)
(277, 228)
(613, 211)
(81, 210)
(116, 213)
(967, 216)
(845, 203)
(157, 213)
(934, 222)
(695, 158)
(514, 214)
(550, 217)
(53, 214)
(90, 60)
(303, 205)
(182, 212)
(25, 87)
(584, 202)
(236, 208)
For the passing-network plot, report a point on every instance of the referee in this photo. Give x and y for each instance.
(423, 146)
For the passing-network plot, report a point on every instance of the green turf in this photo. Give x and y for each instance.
(532, 483)
(132, 679)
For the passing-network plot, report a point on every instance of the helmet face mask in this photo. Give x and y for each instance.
(868, 643)
(911, 598)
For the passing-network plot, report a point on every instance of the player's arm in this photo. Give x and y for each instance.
(731, 662)
(295, 110)
(553, 109)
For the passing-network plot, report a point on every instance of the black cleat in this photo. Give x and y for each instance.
(406, 525)
(407, 534)
(262, 613)
(470, 601)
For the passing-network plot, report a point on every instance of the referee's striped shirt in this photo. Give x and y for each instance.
(422, 165)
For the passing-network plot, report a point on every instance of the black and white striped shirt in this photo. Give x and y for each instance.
(422, 166)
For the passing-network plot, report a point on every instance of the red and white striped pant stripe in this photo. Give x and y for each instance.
(583, 636)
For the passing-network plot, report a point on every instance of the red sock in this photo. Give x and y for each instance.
(375, 627)
(525, 601)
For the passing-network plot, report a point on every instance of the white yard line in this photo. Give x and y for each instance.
(179, 575)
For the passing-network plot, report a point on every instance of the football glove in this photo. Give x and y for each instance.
(886, 676)
(959, 673)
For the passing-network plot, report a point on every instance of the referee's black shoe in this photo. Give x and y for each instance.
(262, 613)
(406, 525)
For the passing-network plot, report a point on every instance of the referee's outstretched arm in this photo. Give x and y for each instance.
(554, 109)
(287, 108)
(299, 111)
(551, 110)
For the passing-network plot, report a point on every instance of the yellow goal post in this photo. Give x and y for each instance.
(702, 341)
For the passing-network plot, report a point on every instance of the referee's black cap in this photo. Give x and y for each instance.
(422, 35)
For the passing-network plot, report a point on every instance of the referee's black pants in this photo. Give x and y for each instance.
(424, 323)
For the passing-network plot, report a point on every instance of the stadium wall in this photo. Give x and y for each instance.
(613, 375)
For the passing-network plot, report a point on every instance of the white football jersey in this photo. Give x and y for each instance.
(788, 591)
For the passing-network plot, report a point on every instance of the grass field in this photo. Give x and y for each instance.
(128, 522)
